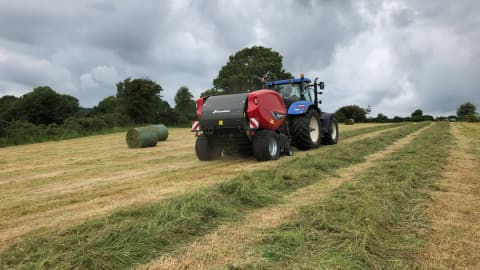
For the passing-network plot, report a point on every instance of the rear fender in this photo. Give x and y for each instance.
(299, 107)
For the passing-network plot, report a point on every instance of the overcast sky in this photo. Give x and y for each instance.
(395, 56)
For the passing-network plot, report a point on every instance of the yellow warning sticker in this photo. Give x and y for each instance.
(220, 122)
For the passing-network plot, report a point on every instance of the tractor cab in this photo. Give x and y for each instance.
(297, 93)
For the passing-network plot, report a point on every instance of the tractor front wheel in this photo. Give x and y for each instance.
(306, 130)
(266, 146)
(206, 149)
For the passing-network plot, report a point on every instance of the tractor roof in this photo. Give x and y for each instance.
(288, 81)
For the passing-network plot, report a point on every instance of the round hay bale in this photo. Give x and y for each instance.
(142, 137)
(349, 121)
(162, 131)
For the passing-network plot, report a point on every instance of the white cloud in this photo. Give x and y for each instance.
(87, 82)
(3, 56)
(105, 74)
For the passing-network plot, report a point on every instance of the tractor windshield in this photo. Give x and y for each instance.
(291, 92)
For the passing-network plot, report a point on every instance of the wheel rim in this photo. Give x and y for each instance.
(314, 129)
(272, 147)
(334, 132)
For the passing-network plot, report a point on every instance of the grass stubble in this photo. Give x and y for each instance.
(134, 236)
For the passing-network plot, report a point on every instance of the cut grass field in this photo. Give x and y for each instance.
(376, 221)
(364, 203)
(229, 245)
(53, 185)
(136, 236)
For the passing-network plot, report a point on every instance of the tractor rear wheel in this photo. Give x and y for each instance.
(206, 149)
(266, 146)
(332, 136)
(306, 131)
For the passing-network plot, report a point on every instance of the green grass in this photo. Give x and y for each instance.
(377, 221)
(131, 237)
(40, 134)
(352, 133)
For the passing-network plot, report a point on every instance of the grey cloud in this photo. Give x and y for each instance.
(394, 55)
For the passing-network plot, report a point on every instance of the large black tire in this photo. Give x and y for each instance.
(266, 145)
(331, 137)
(306, 130)
(206, 150)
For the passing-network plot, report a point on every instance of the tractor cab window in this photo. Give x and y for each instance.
(289, 92)
(308, 93)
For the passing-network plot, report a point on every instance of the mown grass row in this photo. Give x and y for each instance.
(472, 131)
(136, 236)
(375, 222)
(352, 133)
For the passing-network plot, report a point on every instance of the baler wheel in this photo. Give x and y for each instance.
(306, 131)
(206, 150)
(266, 146)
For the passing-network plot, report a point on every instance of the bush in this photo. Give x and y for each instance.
(452, 118)
(349, 121)
(23, 132)
(468, 118)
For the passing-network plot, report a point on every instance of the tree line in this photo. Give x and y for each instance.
(356, 114)
(43, 114)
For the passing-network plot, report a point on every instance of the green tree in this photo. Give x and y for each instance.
(166, 114)
(7, 104)
(107, 105)
(210, 92)
(244, 69)
(354, 112)
(45, 106)
(184, 105)
(398, 119)
(139, 99)
(427, 117)
(467, 112)
(417, 115)
(381, 118)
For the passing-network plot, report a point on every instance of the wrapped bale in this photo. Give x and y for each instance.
(142, 137)
(162, 131)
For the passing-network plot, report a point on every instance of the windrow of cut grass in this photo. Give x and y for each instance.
(454, 237)
(131, 237)
(376, 222)
(356, 132)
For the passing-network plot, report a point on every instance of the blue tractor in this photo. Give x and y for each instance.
(307, 125)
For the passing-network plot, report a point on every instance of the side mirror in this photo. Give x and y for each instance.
(322, 85)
